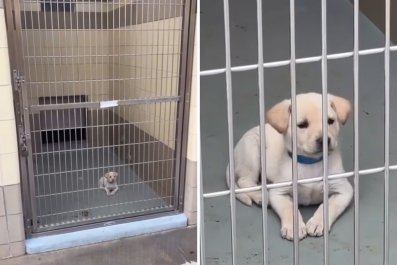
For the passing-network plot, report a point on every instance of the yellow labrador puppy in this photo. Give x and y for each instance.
(279, 161)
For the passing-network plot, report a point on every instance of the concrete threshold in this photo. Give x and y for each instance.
(172, 247)
(103, 234)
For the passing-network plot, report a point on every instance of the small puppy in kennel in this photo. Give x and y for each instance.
(310, 155)
(108, 182)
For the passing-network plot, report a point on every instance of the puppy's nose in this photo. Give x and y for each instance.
(319, 141)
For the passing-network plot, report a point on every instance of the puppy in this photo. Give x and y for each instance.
(108, 182)
(279, 161)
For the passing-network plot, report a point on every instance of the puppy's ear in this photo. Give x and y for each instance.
(107, 175)
(278, 116)
(341, 106)
(116, 174)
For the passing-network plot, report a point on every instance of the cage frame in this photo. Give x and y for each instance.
(21, 107)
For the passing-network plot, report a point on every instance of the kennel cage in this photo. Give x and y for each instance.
(297, 46)
(99, 87)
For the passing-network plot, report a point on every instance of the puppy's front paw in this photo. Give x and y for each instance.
(257, 198)
(287, 231)
(315, 227)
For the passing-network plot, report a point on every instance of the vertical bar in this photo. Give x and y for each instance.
(183, 9)
(147, 83)
(294, 132)
(52, 82)
(387, 126)
(325, 125)
(73, 149)
(21, 63)
(201, 201)
(57, 124)
(356, 135)
(262, 123)
(174, 88)
(164, 107)
(139, 72)
(152, 107)
(92, 112)
(47, 39)
(90, 184)
(112, 77)
(66, 196)
(230, 128)
(102, 122)
(126, 131)
(158, 114)
(154, 52)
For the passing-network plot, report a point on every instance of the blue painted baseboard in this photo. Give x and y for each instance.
(102, 234)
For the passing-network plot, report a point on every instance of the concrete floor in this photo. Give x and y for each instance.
(277, 86)
(168, 248)
(72, 196)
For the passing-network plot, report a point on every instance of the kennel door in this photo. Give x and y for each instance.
(101, 94)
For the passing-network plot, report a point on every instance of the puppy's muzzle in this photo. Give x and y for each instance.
(319, 142)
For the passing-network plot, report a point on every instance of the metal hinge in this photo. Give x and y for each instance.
(23, 136)
(18, 80)
(23, 144)
(29, 223)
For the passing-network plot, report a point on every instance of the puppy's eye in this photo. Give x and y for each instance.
(331, 121)
(303, 124)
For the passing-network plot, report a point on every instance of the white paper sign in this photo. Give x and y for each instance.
(108, 104)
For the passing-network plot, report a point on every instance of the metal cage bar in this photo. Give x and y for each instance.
(201, 224)
(387, 134)
(230, 128)
(303, 60)
(301, 181)
(294, 134)
(262, 129)
(324, 78)
(356, 134)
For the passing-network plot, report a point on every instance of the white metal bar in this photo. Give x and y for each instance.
(301, 181)
(387, 128)
(29, 72)
(201, 225)
(356, 134)
(262, 123)
(230, 128)
(324, 78)
(51, 158)
(294, 135)
(201, 201)
(334, 56)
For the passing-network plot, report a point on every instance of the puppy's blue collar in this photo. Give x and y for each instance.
(306, 160)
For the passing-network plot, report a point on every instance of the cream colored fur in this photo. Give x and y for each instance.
(108, 183)
(279, 164)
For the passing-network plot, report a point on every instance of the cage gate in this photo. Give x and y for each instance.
(98, 89)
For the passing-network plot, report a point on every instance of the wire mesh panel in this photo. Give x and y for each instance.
(102, 93)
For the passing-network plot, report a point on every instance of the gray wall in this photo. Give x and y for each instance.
(375, 11)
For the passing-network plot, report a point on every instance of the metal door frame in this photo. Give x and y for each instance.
(14, 33)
